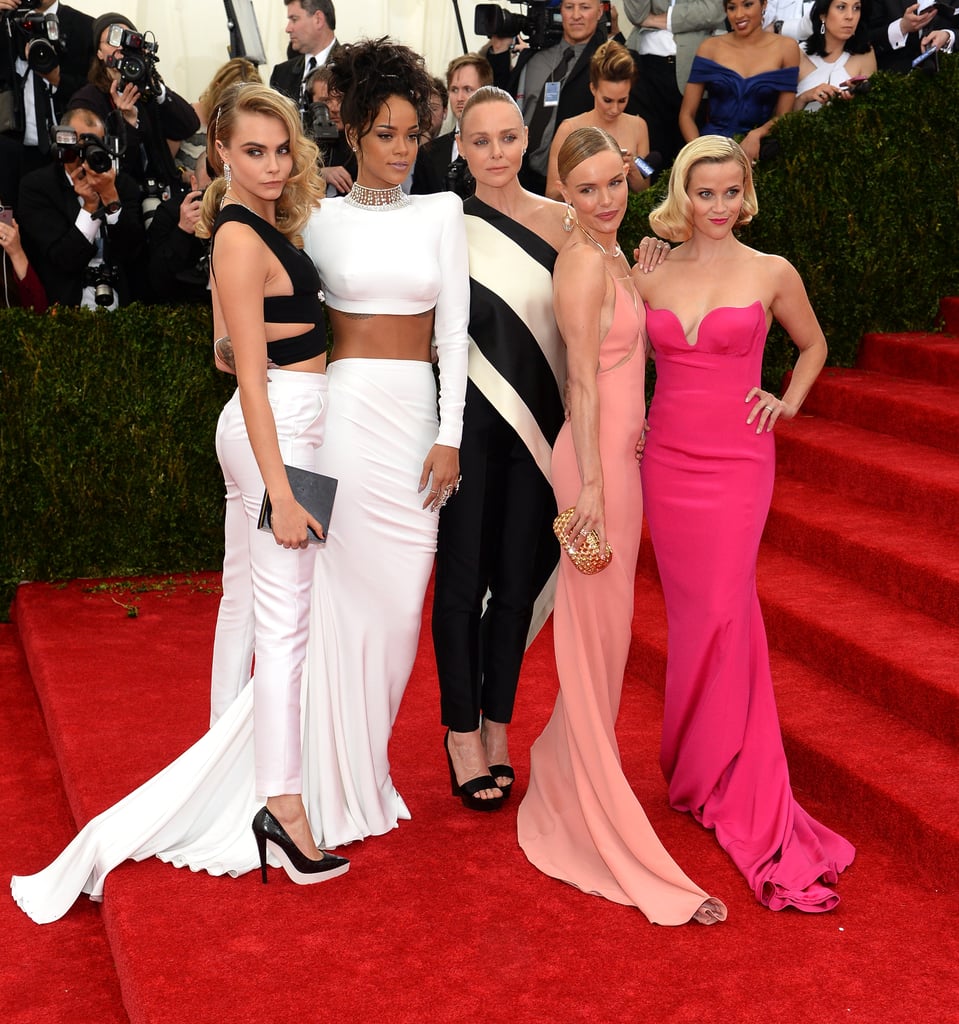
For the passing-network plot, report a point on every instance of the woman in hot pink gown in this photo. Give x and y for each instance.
(580, 821)
(708, 471)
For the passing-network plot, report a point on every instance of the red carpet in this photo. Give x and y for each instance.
(444, 920)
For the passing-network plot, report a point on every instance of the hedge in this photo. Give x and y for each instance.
(106, 443)
(108, 419)
(863, 199)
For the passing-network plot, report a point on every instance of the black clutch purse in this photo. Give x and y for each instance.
(313, 491)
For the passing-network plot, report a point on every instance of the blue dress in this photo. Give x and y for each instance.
(737, 104)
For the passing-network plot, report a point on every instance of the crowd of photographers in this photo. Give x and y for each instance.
(102, 165)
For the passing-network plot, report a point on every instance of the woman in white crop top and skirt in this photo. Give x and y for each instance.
(394, 272)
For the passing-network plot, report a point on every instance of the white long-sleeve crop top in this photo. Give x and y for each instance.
(402, 261)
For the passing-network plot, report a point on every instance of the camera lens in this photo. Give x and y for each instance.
(98, 160)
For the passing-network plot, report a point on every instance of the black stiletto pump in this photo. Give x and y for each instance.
(299, 867)
(467, 792)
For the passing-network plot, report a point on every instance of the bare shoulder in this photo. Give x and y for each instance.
(581, 263)
(789, 51)
(709, 47)
(547, 221)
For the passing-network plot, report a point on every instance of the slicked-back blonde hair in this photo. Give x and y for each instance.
(582, 144)
(489, 94)
(302, 192)
(672, 219)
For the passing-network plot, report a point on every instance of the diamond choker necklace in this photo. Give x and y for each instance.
(377, 198)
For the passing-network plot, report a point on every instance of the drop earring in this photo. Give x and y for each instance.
(227, 175)
(569, 219)
(822, 28)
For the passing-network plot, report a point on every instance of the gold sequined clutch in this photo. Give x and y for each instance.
(586, 556)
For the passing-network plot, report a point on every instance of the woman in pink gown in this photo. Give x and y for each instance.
(708, 473)
(580, 821)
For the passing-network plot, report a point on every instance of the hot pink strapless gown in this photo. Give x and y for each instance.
(580, 821)
(708, 479)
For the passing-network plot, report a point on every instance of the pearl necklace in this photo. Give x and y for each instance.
(617, 252)
(364, 198)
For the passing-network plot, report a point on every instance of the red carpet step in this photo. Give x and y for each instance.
(913, 410)
(933, 358)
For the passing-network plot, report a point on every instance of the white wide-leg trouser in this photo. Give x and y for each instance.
(266, 588)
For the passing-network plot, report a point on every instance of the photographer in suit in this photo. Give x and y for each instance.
(123, 77)
(80, 220)
(553, 84)
(311, 25)
(665, 39)
(41, 74)
(899, 34)
(324, 126)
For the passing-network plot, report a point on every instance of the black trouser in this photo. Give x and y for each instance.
(495, 534)
(658, 100)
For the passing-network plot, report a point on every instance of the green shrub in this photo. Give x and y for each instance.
(106, 443)
(863, 199)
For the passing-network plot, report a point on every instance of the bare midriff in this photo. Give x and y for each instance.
(381, 335)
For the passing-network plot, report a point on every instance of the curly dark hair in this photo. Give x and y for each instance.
(368, 73)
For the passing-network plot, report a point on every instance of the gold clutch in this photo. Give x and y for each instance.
(586, 557)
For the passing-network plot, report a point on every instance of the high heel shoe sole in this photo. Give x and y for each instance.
(299, 877)
(266, 829)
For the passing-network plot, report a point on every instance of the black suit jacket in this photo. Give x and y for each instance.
(432, 163)
(884, 12)
(287, 77)
(59, 251)
(76, 53)
(574, 97)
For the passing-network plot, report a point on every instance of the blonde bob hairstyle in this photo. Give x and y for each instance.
(302, 192)
(672, 219)
(489, 94)
(582, 144)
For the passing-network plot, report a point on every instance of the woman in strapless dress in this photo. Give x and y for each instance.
(748, 76)
(708, 473)
(580, 821)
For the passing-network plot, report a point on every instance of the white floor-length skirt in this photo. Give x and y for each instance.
(368, 598)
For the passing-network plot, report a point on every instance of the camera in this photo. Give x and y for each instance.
(137, 61)
(542, 24)
(40, 35)
(152, 194)
(459, 179)
(318, 124)
(103, 278)
(86, 147)
(197, 276)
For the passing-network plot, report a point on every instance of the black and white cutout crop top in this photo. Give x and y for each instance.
(302, 307)
(403, 261)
